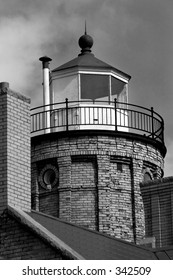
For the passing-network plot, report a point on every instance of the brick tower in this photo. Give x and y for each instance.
(91, 149)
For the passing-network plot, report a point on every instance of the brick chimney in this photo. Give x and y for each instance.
(15, 182)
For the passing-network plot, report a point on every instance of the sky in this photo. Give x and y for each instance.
(134, 36)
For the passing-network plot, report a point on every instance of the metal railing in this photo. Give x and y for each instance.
(84, 114)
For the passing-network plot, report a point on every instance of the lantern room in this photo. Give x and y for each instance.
(88, 78)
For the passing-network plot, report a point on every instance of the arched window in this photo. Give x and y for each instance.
(147, 177)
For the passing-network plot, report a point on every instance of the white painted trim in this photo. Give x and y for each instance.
(127, 92)
(79, 87)
(91, 72)
(110, 88)
(63, 75)
(107, 73)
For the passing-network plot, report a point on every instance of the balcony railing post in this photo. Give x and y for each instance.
(152, 122)
(115, 107)
(66, 102)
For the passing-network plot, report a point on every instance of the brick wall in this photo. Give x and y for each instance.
(121, 198)
(106, 186)
(17, 242)
(51, 199)
(14, 149)
(84, 192)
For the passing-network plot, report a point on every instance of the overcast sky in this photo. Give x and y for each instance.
(135, 36)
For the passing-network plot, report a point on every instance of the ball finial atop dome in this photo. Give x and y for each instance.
(85, 42)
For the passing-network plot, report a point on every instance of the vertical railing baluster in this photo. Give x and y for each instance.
(130, 124)
(144, 123)
(58, 116)
(85, 122)
(152, 122)
(89, 120)
(135, 119)
(37, 122)
(98, 115)
(66, 102)
(134, 113)
(106, 116)
(115, 107)
(40, 127)
(140, 120)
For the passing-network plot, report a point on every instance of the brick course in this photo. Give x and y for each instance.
(14, 149)
(84, 192)
(18, 242)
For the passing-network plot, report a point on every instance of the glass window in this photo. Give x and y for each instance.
(117, 86)
(94, 87)
(118, 89)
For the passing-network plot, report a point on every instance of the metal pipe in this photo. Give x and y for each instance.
(46, 91)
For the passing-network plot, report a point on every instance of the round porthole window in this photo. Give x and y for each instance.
(48, 177)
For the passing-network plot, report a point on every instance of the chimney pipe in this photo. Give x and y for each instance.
(46, 92)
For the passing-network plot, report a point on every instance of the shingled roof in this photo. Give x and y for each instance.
(88, 60)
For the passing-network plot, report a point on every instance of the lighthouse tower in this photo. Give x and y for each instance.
(91, 149)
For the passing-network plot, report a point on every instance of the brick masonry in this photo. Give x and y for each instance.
(14, 149)
(84, 192)
(20, 243)
(99, 180)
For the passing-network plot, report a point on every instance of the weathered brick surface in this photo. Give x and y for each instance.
(120, 201)
(17, 242)
(50, 199)
(14, 150)
(84, 193)
(112, 200)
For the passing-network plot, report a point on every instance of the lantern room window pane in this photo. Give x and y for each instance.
(94, 87)
(117, 86)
